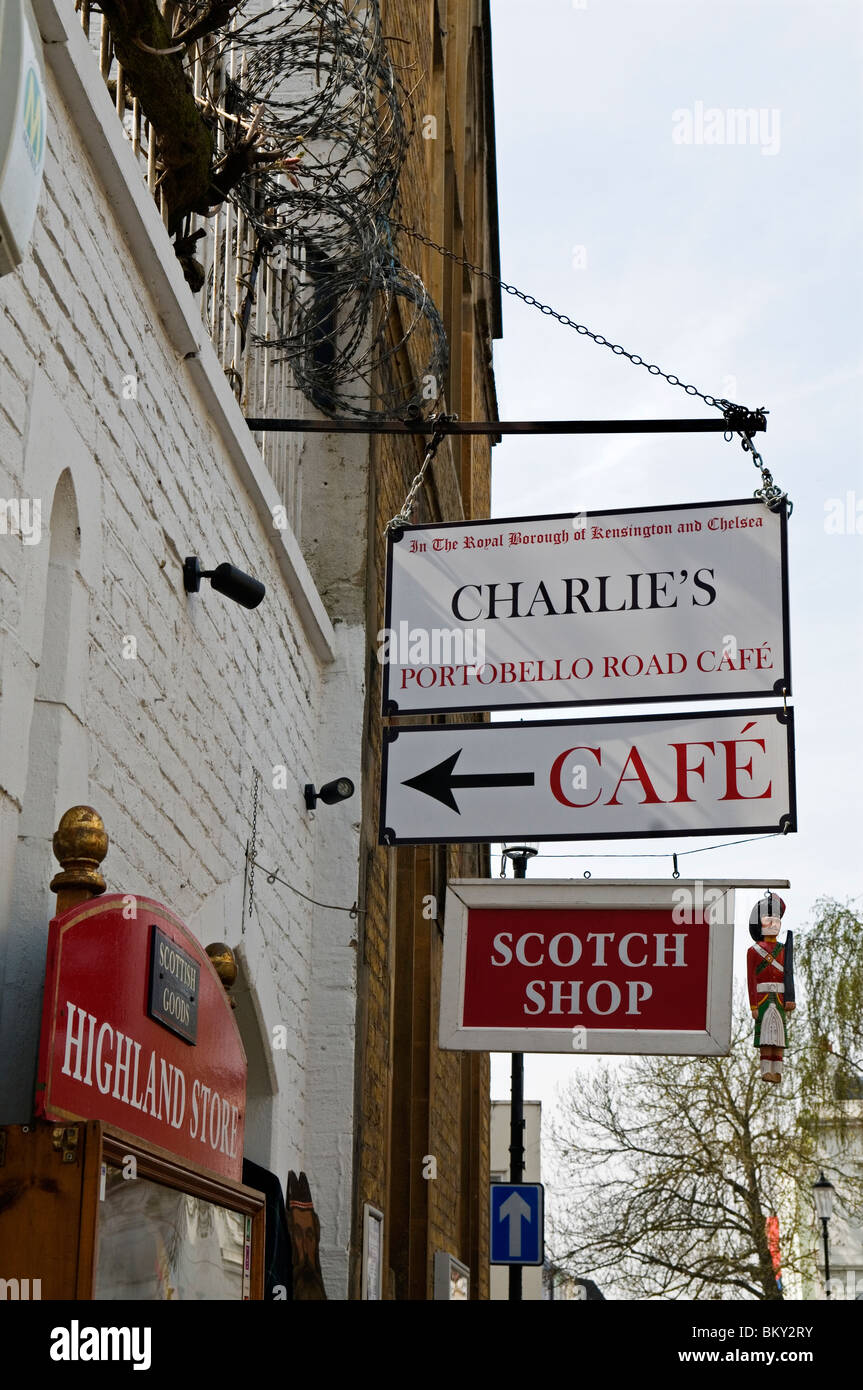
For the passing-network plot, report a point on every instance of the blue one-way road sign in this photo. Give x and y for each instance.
(517, 1214)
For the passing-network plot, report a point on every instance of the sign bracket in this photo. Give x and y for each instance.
(748, 421)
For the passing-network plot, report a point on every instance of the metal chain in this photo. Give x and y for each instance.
(403, 518)
(252, 845)
(719, 401)
(739, 418)
(769, 492)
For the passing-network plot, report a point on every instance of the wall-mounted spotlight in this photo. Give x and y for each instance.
(225, 579)
(330, 792)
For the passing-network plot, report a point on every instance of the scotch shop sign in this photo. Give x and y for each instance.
(639, 966)
(648, 604)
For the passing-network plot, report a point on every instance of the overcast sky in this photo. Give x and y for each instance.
(735, 266)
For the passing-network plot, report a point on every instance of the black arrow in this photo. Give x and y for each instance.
(439, 781)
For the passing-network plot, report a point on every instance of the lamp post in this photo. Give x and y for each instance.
(823, 1191)
(519, 854)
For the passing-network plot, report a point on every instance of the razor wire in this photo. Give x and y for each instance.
(312, 84)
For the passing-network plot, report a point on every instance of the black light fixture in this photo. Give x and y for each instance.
(331, 792)
(225, 579)
(823, 1191)
(519, 854)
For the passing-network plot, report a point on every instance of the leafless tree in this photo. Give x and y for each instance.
(670, 1170)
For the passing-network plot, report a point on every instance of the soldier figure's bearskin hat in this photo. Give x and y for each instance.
(769, 906)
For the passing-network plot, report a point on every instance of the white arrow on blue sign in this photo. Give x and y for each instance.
(517, 1219)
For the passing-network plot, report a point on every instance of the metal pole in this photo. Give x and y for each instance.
(516, 1114)
(826, 1258)
(750, 422)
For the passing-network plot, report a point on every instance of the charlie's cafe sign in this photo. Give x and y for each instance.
(648, 604)
(137, 1032)
(575, 966)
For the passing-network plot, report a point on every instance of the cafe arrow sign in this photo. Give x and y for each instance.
(660, 603)
(667, 774)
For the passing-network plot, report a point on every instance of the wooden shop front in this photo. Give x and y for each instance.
(127, 1184)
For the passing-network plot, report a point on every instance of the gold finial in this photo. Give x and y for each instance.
(225, 966)
(80, 845)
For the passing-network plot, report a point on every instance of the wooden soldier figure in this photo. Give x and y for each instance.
(770, 976)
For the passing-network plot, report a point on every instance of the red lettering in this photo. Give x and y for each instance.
(557, 773)
(683, 768)
(641, 775)
(732, 767)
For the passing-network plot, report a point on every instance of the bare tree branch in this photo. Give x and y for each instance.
(670, 1168)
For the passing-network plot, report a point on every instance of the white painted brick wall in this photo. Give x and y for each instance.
(165, 746)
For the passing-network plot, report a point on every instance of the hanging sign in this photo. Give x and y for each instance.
(23, 124)
(640, 966)
(137, 1031)
(647, 604)
(686, 774)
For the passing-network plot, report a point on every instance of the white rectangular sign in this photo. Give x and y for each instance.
(583, 779)
(648, 604)
(557, 965)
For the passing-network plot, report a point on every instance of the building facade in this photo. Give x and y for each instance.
(422, 1155)
(191, 724)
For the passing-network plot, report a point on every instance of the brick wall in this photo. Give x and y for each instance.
(415, 1102)
(165, 743)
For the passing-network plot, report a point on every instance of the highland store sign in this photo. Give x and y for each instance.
(659, 603)
(137, 1032)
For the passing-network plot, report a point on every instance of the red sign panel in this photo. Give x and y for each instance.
(639, 966)
(559, 968)
(102, 1057)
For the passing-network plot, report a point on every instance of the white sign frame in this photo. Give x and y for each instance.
(505, 808)
(670, 641)
(603, 894)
